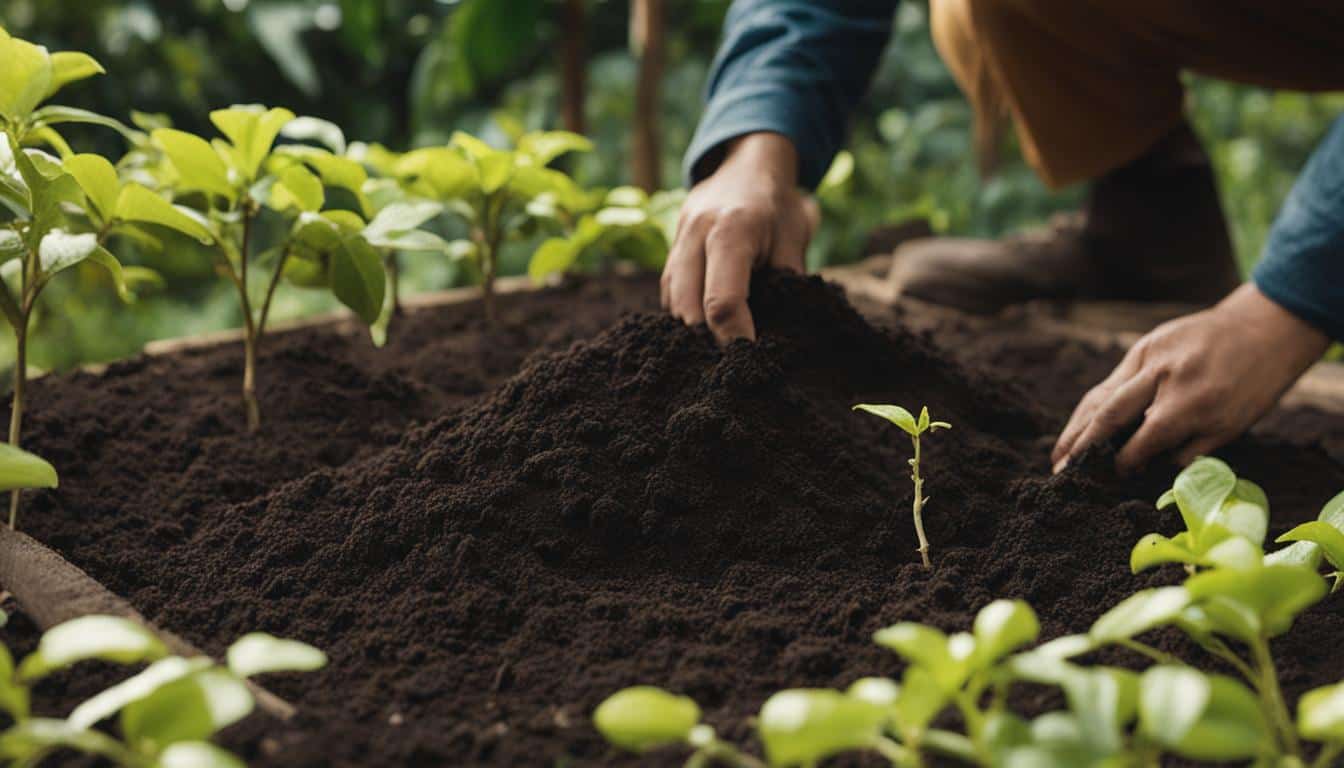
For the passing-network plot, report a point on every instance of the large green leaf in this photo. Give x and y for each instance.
(926, 647)
(109, 638)
(70, 67)
(1200, 490)
(252, 129)
(438, 172)
(893, 413)
(804, 726)
(1171, 700)
(1275, 593)
(358, 278)
(198, 166)
(25, 77)
(1320, 714)
(645, 717)
(138, 203)
(1139, 613)
(98, 178)
(257, 653)
(192, 708)
(297, 188)
(61, 250)
(112, 700)
(21, 469)
(1326, 536)
(1156, 549)
(397, 219)
(1002, 627)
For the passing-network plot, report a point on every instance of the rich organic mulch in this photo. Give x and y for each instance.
(486, 559)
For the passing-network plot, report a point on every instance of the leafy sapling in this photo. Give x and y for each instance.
(496, 191)
(915, 428)
(167, 713)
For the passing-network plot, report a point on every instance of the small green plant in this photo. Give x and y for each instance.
(496, 191)
(167, 713)
(236, 180)
(1233, 602)
(630, 226)
(58, 212)
(914, 428)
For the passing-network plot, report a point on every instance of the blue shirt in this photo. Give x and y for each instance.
(800, 67)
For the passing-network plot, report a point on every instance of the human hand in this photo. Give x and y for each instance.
(748, 213)
(1199, 381)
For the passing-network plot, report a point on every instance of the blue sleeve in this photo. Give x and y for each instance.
(1303, 265)
(793, 67)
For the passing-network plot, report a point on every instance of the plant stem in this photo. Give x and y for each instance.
(1161, 657)
(1272, 696)
(16, 407)
(1329, 753)
(898, 754)
(250, 404)
(919, 505)
(723, 752)
(270, 293)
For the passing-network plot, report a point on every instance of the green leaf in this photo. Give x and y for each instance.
(1326, 536)
(197, 754)
(324, 132)
(69, 67)
(56, 115)
(21, 469)
(1066, 646)
(882, 691)
(1099, 705)
(803, 726)
(1166, 499)
(645, 717)
(893, 413)
(626, 197)
(1139, 613)
(1302, 553)
(1235, 552)
(257, 653)
(926, 647)
(493, 166)
(28, 741)
(438, 172)
(1232, 726)
(1320, 714)
(252, 129)
(137, 203)
(104, 258)
(1156, 549)
(297, 188)
(920, 700)
(545, 146)
(98, 179)
(192, 708)
(198, 166)
(1250, 493)
(109, 638)
(358, 278)
(61, 250)
(152, 678)
(1242, 518)
(1001, 627)
(1171, 700)
(1200, 490)
(1275, 593)
(399, 218)
(25, 78)
(14, 698)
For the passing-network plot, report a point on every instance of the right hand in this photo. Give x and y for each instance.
(748, 213)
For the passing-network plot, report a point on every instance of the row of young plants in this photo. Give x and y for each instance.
(277, 198)
(1234, 601)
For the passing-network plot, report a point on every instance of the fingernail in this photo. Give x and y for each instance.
(1060, 465)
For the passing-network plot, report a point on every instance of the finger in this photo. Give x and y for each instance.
(1201, 446)
(729, 256)
(1124, 406)
(1087, 407)
(686, 272)
(790, 247)
(1164, 427)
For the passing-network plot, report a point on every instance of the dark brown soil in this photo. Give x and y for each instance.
(487, 555)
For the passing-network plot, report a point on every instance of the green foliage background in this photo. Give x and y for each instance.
(409, 72)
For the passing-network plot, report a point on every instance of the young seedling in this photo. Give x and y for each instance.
(914, 428)
(496, 191)
(58, 213)
(168, 713)
(645, 718)
(235, 179)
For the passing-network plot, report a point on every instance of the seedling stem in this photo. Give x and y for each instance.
(919, 505)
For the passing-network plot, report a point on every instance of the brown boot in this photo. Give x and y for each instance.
(1152, 230)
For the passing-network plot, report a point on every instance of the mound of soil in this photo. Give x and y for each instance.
(640, 506)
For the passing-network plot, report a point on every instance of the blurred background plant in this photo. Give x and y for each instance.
(628, 73)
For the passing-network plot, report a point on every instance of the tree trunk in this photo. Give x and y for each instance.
(573, 65)
(647, 43)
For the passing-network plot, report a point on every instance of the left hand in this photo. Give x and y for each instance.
(1198, 381)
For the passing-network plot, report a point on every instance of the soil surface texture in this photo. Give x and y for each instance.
(490, 530)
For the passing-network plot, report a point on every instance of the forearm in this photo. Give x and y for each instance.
(1303, 265)
(792, 68)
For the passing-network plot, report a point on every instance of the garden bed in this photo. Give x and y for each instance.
(491, 530)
